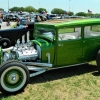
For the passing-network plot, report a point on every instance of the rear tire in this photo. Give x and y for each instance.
(98, 61)
(14, 77)
(5, 43)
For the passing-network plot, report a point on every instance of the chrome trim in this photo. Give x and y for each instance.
(67, 66)
(37, 73)
(38, 64)
(34, 68)
(10, 48)
(48, 55)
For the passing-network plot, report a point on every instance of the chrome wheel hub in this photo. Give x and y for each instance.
(5, 44)
(13, 78)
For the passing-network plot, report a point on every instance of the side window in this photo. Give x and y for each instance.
(45, 32)
(91, 31)
(69, 33)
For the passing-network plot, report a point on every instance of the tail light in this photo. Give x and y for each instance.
(26, 26)
(18, 19)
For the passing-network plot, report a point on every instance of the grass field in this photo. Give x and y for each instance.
(73, 83)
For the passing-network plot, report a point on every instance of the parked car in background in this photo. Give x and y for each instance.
(21, 20)
(8, 37)
(12, 17)
(32, 19)
(53, 16)
(43, 18)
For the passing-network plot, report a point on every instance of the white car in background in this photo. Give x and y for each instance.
(32, 19)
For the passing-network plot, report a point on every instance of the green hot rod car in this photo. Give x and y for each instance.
(56, 44)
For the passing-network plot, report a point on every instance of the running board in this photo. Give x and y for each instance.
(38, 64)
(34, 68)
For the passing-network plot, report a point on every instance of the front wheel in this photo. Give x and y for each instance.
(14, 77)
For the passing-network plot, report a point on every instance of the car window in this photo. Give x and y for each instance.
(69, 33)
(10, 15)
(92, 31)
(50, 33)
(22, 21)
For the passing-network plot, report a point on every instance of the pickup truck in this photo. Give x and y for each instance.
(56, 44)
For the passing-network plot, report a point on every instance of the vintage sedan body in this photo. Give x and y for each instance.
(56, 44)
(9, 37)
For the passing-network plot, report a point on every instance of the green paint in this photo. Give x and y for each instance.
(69, 52)
(36, 42)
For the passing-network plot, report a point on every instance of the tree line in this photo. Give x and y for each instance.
(53, 11)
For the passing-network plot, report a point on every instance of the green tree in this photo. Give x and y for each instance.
(2, 9)
(30, 9)
(81, 14)
(71, 13)
(41, 9)
(57, 11)
(16, 9)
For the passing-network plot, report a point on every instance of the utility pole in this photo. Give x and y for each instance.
(69, 5)
(38, 5)
(8, 5)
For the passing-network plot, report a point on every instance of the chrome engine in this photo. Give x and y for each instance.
(21, 51)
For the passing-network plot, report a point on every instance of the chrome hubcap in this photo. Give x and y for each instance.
(13, 78)
(5, 43)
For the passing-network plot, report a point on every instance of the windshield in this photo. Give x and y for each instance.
(50, 33)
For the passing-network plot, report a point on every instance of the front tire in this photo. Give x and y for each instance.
(14, 77)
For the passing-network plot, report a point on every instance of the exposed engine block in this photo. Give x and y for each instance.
(25, 51)
(21, 51)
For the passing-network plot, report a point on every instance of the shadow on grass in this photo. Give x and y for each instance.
(59, 74)
(64, 73)
(3, 96)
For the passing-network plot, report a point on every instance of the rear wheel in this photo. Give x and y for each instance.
(14, 77)
(5, 43)
(98, 60)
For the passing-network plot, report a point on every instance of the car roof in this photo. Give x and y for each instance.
(67, 22)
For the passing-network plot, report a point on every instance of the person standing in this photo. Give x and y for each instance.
(8, 21)
(37, 19)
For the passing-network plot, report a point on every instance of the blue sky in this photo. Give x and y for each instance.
(72, 5)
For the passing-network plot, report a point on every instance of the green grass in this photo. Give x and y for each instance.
(73, 83)
(96, 28)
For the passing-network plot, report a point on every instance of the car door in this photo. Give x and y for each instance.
(69, 47)
(91, 43)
